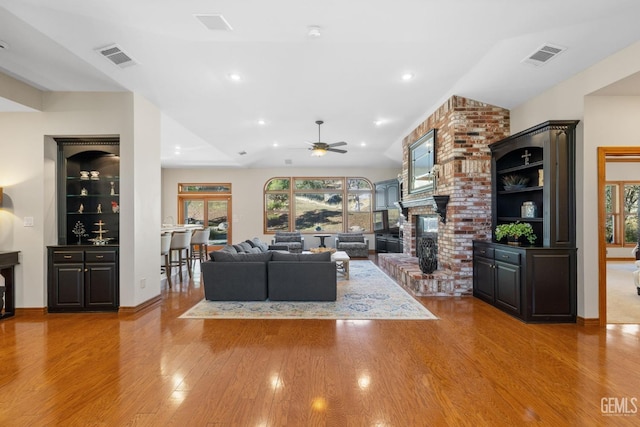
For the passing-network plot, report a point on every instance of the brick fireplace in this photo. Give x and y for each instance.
(465, 128)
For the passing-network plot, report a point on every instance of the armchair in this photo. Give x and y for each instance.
(293, 240)
(354, 244)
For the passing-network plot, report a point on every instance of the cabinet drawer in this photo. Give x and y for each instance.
(101, 256)
(483, 251)
(68, 256)
(507, 256)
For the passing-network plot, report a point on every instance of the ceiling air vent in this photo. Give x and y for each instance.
(543, 54)
(116, 55)
(214, 22)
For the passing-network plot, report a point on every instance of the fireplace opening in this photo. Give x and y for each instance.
(426, 242)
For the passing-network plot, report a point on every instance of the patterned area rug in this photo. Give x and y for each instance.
(369, 294)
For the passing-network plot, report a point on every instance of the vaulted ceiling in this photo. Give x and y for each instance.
(350, 75)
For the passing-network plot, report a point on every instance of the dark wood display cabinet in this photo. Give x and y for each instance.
(83, 267)
(533, 180)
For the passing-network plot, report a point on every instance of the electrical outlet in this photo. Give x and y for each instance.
(143, 282)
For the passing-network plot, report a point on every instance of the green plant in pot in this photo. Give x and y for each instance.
(514, 230)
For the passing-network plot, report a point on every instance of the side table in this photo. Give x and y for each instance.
(322, 237)
(8, 260)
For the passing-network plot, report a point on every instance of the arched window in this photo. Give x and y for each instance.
(312, 204)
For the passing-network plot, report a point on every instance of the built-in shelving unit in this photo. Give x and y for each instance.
(535, 283)
(83, 267)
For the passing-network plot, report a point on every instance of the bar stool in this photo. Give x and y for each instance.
(200, 238)
(165, 249)
(181, 242)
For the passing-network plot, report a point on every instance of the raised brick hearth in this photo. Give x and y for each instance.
(405, 270)
(465, 128)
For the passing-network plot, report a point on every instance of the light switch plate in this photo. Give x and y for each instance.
(28, 221)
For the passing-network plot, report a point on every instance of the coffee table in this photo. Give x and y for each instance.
(342, 262)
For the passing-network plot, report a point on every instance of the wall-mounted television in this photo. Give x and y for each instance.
(380, 221)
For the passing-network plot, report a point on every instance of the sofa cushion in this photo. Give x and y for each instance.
(287, 236)
(241, 257)
(319, 257)
(350, 237)
(238, 249)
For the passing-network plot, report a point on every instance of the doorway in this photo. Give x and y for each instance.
(616, 260)
(213, 212)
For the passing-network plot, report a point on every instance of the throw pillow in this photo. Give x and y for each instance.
(245, 246)
(229, 249)
(260, 244)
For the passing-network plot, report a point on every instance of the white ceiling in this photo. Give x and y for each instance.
(349, 77)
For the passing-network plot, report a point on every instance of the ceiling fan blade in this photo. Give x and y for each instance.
(336, 150)
(337, 144)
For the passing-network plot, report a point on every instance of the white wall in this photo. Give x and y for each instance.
(248, 188)
(614, 119)
(604, 122)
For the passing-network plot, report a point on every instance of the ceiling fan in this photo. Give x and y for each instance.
(320, 148)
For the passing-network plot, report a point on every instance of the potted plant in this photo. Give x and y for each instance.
(513, 231)
(514, 182)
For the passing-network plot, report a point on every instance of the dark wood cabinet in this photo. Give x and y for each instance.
(387, 194)
(534, 283)
(388, 243)
(83, 267)
(83, 278)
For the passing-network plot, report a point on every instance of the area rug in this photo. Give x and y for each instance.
(368, 294)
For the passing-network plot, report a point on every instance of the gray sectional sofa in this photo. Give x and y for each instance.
(272, 275)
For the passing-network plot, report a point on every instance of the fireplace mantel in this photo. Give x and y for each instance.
(438, 203)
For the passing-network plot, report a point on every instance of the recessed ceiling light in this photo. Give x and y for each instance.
(314, 31)
(261, 122)
(378, 122)
(235, 77)
(407, 76)
(363, 144)
(275, 144)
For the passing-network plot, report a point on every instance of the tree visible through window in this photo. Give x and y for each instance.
(318, 204)
(621, 206)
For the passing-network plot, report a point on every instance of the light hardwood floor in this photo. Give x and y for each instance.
(475, 366)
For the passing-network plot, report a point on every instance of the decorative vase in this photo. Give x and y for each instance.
(427, 255)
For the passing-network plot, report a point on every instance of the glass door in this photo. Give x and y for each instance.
(211, 211)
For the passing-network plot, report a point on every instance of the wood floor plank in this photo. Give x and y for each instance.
(473, 366)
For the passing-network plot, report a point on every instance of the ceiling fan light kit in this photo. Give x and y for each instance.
(320, 148)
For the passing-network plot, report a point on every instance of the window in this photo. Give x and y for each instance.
(621, 205)
(208, 205)
(318, 204)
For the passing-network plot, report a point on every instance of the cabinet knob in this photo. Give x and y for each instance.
(99, 256)
(67, 256)
(505, 256)
(86, 269)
